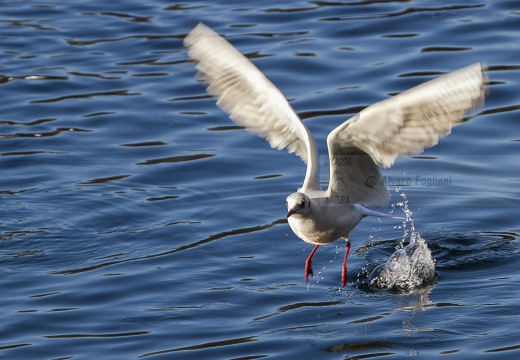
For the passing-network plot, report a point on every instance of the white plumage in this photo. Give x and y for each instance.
(404, 124)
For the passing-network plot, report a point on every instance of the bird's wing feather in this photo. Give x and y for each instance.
(250, 99)
(404, 124)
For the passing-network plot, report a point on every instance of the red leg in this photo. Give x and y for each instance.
(344, 266)
(308, 266)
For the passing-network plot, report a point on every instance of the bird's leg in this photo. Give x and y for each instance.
(344, 266)
(308, 266)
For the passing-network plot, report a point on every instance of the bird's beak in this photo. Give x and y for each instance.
(290, 212)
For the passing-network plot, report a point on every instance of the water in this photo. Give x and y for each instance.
(411, 266)
(137, 222)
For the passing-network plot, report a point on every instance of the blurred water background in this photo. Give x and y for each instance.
(137, 222)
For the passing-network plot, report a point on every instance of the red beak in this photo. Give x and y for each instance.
(290, 212)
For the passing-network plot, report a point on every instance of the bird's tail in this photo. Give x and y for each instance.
(367, 212)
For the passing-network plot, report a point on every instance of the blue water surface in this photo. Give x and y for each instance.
(136, 221)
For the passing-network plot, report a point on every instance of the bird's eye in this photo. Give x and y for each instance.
(303, 204)
(286, 204)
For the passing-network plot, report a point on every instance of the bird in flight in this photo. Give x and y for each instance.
(400, 125)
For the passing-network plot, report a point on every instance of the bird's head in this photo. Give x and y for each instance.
(298, 204)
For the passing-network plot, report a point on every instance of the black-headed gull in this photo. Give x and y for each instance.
(403, 124)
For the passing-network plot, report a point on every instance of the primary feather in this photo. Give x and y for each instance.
(249, 98)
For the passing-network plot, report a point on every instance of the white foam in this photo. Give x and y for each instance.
(410, 266)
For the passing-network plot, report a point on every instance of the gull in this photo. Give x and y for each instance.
(404, 124)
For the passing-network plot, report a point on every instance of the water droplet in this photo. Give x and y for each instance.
(409, 266)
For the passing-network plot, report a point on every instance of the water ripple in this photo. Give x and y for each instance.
(109, 335)
(407, 11)
(194, 247)
(86, 96)
(208, 345)
(43, 134)
(175, 250)
(176, 159)
(296, 306)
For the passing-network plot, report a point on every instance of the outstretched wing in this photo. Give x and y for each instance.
(354, 177)
(404, 124)
(250, 99)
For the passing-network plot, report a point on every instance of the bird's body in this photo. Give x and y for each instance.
(403, 124)
(323, 224)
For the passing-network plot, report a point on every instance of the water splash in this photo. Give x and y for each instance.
(410, 266)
